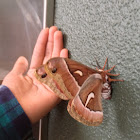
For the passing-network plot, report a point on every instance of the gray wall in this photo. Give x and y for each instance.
(102, 28)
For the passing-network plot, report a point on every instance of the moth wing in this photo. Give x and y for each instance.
(79, 71)
(86, 107)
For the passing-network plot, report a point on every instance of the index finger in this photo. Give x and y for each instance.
(39, 50)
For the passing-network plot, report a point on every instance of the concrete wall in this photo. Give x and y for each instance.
(102, 28)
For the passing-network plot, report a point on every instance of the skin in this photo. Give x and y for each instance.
(35, 98)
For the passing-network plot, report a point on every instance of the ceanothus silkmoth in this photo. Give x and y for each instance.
(81, 85)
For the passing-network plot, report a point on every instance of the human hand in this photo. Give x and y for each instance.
(35, 98)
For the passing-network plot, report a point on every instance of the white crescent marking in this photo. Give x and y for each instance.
(91, 95)
(79, 72)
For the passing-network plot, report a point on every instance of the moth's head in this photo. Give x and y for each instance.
(103, 74)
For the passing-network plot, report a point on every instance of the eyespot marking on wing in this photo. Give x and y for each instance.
(90, 96)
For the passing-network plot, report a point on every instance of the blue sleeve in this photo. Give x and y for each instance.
(14, 123)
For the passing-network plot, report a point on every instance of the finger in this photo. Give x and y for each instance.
(58, 44)
(64, 53)
(39, 50)
(50, 43)
(20, 66)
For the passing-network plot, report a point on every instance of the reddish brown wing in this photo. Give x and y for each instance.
(71, 73)
(65, 76)
(86, 107)
(79, 71)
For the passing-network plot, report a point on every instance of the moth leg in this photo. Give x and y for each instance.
(86, 107)
(110, 74)
(114, 80)
(105, 64)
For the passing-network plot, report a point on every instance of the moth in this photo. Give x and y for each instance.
(83, 86)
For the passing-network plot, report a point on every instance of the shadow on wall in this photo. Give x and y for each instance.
(126, 104)
(62, 125)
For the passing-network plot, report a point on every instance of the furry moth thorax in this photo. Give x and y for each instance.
(80, 84)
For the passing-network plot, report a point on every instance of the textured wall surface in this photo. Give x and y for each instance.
(102, 28)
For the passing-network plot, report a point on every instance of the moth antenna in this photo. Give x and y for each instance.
(93, 65)
(97, 63)
(105, 64)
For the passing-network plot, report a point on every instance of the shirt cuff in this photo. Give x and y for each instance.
(14, 123)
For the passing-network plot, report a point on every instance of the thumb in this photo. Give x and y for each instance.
(20, 66)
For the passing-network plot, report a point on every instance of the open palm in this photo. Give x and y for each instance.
(35, 98)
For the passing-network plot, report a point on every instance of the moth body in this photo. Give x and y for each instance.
(106, 91)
